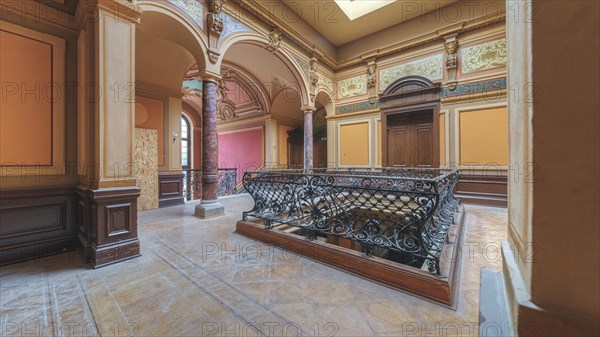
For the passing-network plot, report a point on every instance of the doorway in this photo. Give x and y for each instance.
(410, 123)
(410, 139)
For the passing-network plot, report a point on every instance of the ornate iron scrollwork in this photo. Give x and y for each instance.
(409, 211)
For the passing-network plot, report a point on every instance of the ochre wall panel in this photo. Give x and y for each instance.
(379, 145)
(354, 144)
(26, 104)
(283, 144)
(484, 137)
(149, 114)
(442, 139)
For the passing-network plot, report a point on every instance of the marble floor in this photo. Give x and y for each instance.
(199, 278)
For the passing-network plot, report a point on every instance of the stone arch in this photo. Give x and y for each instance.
(325, 98)
(176, 26)
(249, 84)
(282, 54)
(409, 85)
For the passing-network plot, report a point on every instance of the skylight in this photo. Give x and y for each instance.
(354, 9)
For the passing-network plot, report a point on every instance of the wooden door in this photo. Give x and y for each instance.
(295, 156)
(410, 139)
(320, 154)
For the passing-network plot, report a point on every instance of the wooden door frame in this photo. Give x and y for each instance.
(409, 94)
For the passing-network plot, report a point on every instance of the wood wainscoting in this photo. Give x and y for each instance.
(40, 222)
(441, 290)
(485, 190)
(170, 189)
(37, 222)
(108, 231)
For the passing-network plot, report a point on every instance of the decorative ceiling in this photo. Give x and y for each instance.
(358, 18)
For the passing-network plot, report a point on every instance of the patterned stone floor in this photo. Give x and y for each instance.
(199, 278)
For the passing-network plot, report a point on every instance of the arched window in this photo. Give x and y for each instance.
(186, 144)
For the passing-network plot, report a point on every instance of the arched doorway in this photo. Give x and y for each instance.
(410, 123)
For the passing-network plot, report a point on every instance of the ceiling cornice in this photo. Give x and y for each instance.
(430, 38)
(252, 8)
(310, 49)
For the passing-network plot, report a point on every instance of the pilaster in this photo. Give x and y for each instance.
(108, 193)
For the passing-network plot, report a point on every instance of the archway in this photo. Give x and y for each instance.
(282, 90)
(168, 44)
(323, 137)
(410, 123)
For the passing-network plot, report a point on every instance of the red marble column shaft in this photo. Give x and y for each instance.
(308, 139)
(210, 174)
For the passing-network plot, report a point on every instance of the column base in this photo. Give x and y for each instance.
(209, 210)
(100, 256)
(108, 231)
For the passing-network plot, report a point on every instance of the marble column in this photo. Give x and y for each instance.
(209, 206)
(308, 139)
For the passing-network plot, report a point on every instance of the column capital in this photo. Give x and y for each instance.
(127, 10)
(206, 75)
(307, 109)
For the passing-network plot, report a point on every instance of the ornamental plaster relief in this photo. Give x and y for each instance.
(430, 68)
(354, 86)
(232, 26)
(327, 83)
(483, 56)
(192, 8)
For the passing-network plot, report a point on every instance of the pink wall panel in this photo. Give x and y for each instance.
(242, 150)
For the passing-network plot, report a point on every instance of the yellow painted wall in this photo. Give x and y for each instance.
(379, 140)
(354, 144)
(484, 137)
(283, 144)
(442, 139)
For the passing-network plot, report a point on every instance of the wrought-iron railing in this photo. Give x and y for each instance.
(227, 181)
(408, 212)
(192, 183)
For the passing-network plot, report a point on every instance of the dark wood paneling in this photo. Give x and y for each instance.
(170, 189)
(416, 281)
(37, 222)
(485, 190)
(109, 230)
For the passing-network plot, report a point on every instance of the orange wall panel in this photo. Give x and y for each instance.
(149, 114)
(379, 145)
(484, 137)
(442, 139)
(283, 144)
(26, 102)
(354, 144)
